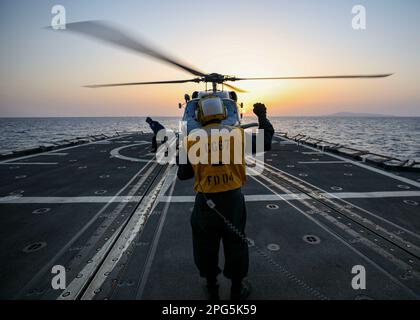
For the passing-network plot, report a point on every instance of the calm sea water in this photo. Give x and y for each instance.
(398, 137)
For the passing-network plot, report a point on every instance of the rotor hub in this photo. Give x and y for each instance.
(214, 77)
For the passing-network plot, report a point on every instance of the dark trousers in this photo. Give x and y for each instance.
(154, 143)
(209, 229)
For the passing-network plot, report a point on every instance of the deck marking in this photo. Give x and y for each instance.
(319, 153)
(321, 162)
(382, 172)
(279, 174)
(64, 200)
(133, 227)
(30, 163)
(328, 230)
(61, 149)
(91, 274)
(60, 154)
(116, 153)
(334, 195)
(47, 266)
(303, 196)
(77, 284)
(156, 238)
(183, 199)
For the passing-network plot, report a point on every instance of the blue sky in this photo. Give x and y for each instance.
(42, 71)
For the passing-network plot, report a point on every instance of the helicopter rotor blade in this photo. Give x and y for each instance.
(235, 88)
(107, 33)
(140, 83)
(357, 76)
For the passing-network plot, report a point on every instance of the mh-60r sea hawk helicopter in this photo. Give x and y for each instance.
(108, 33)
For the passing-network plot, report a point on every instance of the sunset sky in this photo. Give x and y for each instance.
(42, 71)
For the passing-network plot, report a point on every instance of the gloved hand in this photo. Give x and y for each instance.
(260, 109)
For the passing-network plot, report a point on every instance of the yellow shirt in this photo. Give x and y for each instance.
(217, 158)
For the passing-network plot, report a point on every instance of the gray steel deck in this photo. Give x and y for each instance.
(119, 223)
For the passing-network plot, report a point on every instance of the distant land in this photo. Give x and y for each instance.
(359, 115)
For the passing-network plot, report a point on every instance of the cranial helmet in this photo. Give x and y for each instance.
(211, 108)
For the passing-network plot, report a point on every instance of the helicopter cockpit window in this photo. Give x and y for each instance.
(230, 106)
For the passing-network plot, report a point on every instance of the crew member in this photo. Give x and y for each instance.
(156, 127)
(261, 112)
(219, 211)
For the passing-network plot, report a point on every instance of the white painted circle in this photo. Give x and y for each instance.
(303, 174)
(101, 192)
(347, 174)
(335, 188)
(402, 186)
(41, 210)
(272, 206)
(273, 247)
(116, 153)
(104, 176)
(411, 202)
(21, 177)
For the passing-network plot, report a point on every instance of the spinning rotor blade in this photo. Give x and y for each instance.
(358, 76)
(110, 34)
(140, 83)
(235, 88)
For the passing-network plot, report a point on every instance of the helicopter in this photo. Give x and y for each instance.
(109, 33)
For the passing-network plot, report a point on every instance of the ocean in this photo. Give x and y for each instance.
(394, 136)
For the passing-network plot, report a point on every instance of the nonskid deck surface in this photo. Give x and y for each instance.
(119, 223)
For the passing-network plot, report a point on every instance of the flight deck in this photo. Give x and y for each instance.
(119, 223)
